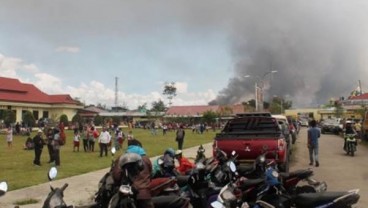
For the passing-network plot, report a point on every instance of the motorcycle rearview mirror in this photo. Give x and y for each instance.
(233, 153)
(3, 188)
(232, 166)
(52, 173)
(217, 204)
(160, 161)
(113, 150)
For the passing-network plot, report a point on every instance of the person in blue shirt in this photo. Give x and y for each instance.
(314, 134)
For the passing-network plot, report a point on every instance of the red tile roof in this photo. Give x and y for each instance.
(193, 111)
(13, 90)
(359, 97)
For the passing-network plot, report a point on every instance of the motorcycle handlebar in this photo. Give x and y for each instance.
(64, 187)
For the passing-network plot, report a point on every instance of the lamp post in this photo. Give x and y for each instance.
(259, 84)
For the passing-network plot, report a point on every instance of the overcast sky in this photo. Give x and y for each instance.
(78, 47)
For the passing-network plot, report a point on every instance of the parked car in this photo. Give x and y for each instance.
(288, 130)
(304, 122)
(250, 135)
(330, 126)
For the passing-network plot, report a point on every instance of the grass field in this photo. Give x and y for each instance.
(16, 164)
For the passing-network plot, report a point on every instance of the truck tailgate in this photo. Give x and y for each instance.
(248, 149)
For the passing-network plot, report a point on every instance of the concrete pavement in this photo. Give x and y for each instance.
(81, 188)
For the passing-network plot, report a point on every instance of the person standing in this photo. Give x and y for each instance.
(9, 137)
(76, 141)
(93, 135)
(84, 136)
(38, 146)
(103, 140)
(50, 148)
(180, 134)
(56, 146)
(314, 134)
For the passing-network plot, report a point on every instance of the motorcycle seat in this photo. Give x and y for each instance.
(304, 173)
(316, 199)
(182, 180)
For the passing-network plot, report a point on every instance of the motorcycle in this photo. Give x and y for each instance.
(275, 196)
(289, 180)
(351, 143)
(230, 195)
(55, 198)
(131, 164)
(3, 188)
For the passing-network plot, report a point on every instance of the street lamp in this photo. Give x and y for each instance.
(259, 84)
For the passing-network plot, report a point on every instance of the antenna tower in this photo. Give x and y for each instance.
(116, 91)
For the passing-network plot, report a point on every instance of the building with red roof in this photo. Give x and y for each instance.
(198, 110)
(20, 97)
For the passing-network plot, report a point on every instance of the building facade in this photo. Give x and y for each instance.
(21, 97)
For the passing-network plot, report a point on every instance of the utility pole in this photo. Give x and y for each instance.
(116, 92)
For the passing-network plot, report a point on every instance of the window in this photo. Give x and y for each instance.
(45, 114)
(35, 114)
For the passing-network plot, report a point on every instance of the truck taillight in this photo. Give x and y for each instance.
(214, 147)
(281, 144)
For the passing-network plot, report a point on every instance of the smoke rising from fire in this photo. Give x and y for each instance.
(318, 48)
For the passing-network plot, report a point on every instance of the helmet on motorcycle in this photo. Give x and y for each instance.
(170, 151)
(131, 160)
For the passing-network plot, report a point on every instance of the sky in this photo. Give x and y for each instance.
(318, 48)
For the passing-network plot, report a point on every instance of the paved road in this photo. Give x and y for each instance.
(341, 173)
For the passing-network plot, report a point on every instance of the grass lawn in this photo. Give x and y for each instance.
(16, 164)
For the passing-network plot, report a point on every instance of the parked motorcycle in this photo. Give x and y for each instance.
(230, 195)
(3, 188)
(131, 164)
(291, 180)
(55, 198)
(275, 196)
(351, 143)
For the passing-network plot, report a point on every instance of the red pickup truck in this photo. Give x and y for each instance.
(250, 135)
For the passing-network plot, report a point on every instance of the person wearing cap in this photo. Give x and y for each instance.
(141, 182)
(184, 164)
(38, 146)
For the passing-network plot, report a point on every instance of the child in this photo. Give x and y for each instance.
(76, 141)
(120, 137)
(130, 135)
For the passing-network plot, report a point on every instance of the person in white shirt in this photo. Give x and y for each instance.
(104, 139)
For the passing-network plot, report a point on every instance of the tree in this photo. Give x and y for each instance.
(226, 111)
(28, 118)
(77, 119)
(64, 119)
(9, 117)
(210, 117)
(158, 106)
(142, 108)
(169, 91)
(278, 105)
(98, 120)
(339, 110)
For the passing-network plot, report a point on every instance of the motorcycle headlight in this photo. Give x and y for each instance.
(275, 174)
(125, 190)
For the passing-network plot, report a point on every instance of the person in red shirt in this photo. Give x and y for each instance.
(184, 164)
